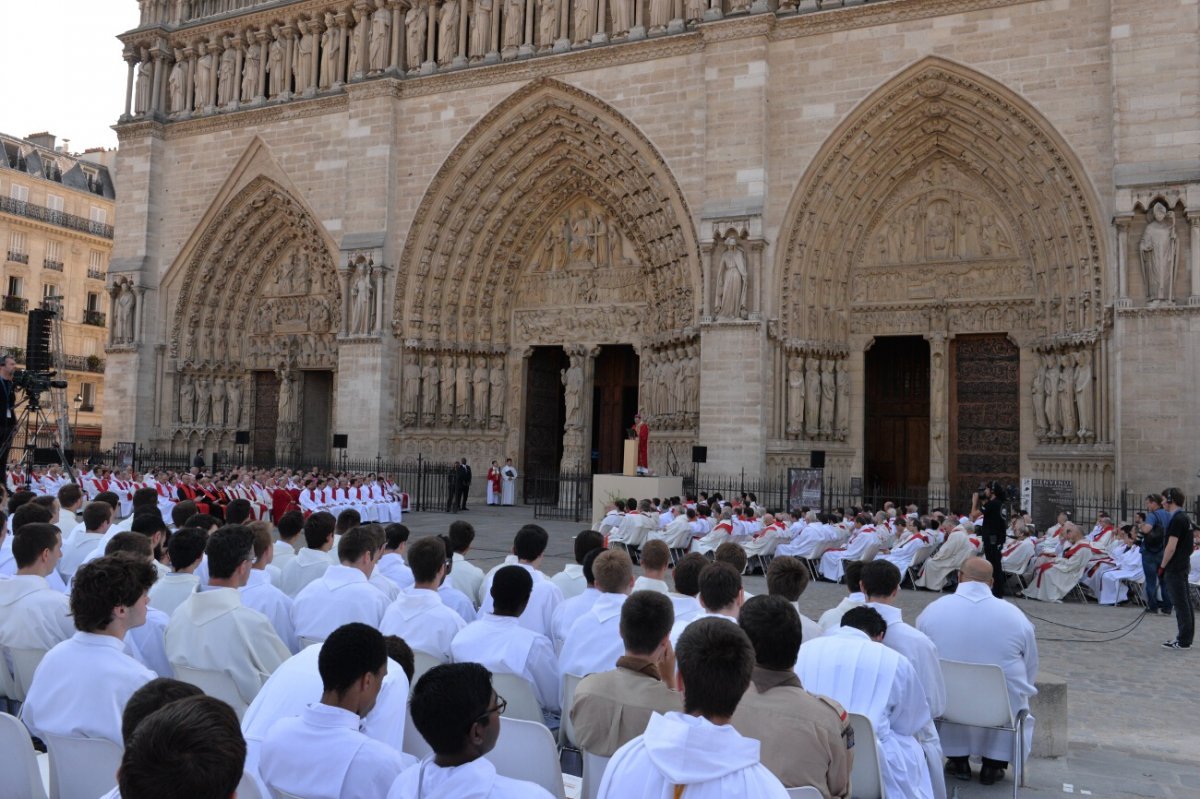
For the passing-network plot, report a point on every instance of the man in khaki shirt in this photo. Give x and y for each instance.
(806, 738)
(613, 707)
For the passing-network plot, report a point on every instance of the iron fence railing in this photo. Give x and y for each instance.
(565, 496)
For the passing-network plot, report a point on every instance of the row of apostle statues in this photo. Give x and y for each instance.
(300, 56)
(445, 390)
(818, 397)
(1063, 391)
(671, 388)
(210, 400)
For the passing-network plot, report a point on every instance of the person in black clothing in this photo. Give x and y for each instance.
(464, 483)
(198, 461)
(992, 529)
(453, 479)
(8, 413)
(1173, 570)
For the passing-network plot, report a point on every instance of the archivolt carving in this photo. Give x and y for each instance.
(940, 128)
(485, 215)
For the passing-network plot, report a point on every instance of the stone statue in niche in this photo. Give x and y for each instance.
(204, 74)
(585, 20)
(582, 232)
(971, 244)
(203, 397)
(622, 17)
(481, 28)
(694, 9)
(514, 20)
(275, 63)
(1083, 394)
(218, 401)
(1159, 253)
(448, 31)
(828, 397)
(331, 51)
(1038, 391)
(381, 36)
(496, 400)
(412, 390)
(141, 92)
(812, 396)
(415, 20)
(795, 396)
(187, 399)
(479, 392)
(250, 72)
(234, 391)
(430, 389)
(227, 80)
(1053, 428)
(287, 396)
(176, 86)
(361, 298)
(731, 281)
(572, 380)
(911, 232)
(306, 50)
(462, 391)
(1066, 397)
(939, 230)
(354, 62)
(547, 23)
(842, 427)
(124, 305)
(660, 15)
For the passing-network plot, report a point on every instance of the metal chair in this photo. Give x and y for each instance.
(1137, 591)
(977, 696)
(914, 568)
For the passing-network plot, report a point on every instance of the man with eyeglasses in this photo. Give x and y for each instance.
(458, 714)
(213, 630)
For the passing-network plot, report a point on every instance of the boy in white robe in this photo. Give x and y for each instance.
(186, 549)
(311, 561)
(529, 547)
(343, 594)
(569, 611)
(97, 518)
(322, 753)
(570, 580)
(594, 641)
(418, 614)
(32, 614)
(789, 577)
(832, 619)
(972, 626)
(214, 630)
(464, 575)
(853, 666)
(498, 642)
(458, 714)
(656, 557)
(82, 684)
(698, 749)
(686, 577)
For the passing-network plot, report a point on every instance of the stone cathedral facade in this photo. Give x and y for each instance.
(935, 240)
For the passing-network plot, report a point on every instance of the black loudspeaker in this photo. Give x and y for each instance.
(340, 441)
(699, 454)
(241, 437)
(816, 459)
(46, 456)
(37, 341)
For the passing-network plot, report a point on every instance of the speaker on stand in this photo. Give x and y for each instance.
(699, 456)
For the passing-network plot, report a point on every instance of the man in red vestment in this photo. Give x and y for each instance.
(643, 437)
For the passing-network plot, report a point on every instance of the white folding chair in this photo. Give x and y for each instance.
(526, 751)
(518, 692)
(423, 662)
(81, 768)
(414, 743)
(593, 773)
(6, 682)
(216, 684)
(20, 776)
(866, 780)
(278, 794)
(807, 792)
(566, 730)
(977, 696)
(248, 787)
(914, 568)
(24, 664)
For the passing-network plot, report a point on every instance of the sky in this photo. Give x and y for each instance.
(62, 68)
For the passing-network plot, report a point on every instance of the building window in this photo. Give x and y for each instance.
(88, 392)
(54, 255)
(97, 264)
(93, 301)
(19, 193)
(99, 215)
(14, 286)
(54, 202)
(17, 248)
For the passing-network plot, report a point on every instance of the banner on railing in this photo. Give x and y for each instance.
(125, 452)
(806, 489)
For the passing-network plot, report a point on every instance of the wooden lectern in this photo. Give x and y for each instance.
(629, 463)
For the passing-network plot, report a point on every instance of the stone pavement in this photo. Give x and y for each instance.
(1119, 692)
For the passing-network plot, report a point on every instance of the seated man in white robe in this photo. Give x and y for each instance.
(636, 527)
(186, 549)
(1128, 558)
(391, 562)
(464, 575)
(147, 642)
(721, 596)
(97, 518)
(686, 577)
(418, 615)
(570, 580)
(323, 753)
(594, 641)
(788, 577)
(815, 537)
(311, 561)
(720, 533)
(203, 727)
(1018, 550)
(832, 618)
(290, 527)
(655, 558)
(715, 662)
(32, 614)
(854, 667)
(907, 547)
(458, 714)
(213, 630)
(862, 546)
(343, 594)
(1056, 578)
(880, 582)
(612, 517)
(498, 642)
(948, 559)
(678, 533)
(82, 684)
(529, 547)
(972, 626)
(571, 609)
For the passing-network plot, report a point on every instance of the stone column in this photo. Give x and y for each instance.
(396, 60)
(638, 31)
(1122, 223)
(289, 48)
(138, 311)
(344, 284)
(156, 92)
(460, 59)
(939, 423)
(189, 55)
(362, 29)
(563, 43)
(343, 25)
(263, 38)
(577, 427)
(1194, 257)
(430, 62)
(132, 60)
(238, 64)
(526, 48)
(381, 281)
(601, 35)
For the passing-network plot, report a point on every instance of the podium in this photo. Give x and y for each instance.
(629, 462)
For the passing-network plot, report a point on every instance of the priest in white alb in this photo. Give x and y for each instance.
(1056, 578)
(593, 643)
(343, 594)
(972, 626)
(947, 560)
(508, 482)
(418, 614)
(863, 545)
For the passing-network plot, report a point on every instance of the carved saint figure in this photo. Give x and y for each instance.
(622, 16)
(1053, 428)
(572, 380)
(141, 93)
(176, 88)
(1066, 397)
(306, 51)
(218, 401)
(1083, 393)
(694, 10)
(660, 15)
(227, 79)
(731, 302)
(842, 426)
(430, 391)
(585, 20)
(496, 400)
(360, 301)
(234, 390)
(412, 389)
(287, 397)
(939, 231)
(547, 22)
(187, 399)
(812, 396)
(581, 237)
(204, 75)
(414, 34)
(203, 395)
(481, 28)
(1159, 252)
(479, 391)
(448, 32)
(250, 73)
(462, 389)
(124, 303)
(381, 36)
(795, 396)
(828, 395)
(275, 64)
(514, 19)
(331, 51)
(355, 61)
(1038, 390)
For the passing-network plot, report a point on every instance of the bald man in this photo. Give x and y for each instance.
(1054, 579)
(973, 626)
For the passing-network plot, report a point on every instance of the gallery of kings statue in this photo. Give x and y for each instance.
(938, 241)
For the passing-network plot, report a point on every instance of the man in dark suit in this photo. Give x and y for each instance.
(452, 483)
(8, 414)
(464, 483)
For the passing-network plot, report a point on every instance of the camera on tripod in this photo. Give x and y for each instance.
(36, 382)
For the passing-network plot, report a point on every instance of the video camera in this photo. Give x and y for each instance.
(36, 382)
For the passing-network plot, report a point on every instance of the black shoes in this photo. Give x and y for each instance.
(959, 768)
(1175, 645)
(990, 775)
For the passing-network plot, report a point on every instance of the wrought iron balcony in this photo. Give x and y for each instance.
(96, 274)
(15, 304)
(18, 257)
(84, 363)
(95, 318)
(56, 266)
(60, 218)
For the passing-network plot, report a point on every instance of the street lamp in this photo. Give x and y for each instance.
(78, 402)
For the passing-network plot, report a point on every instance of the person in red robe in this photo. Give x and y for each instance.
(493, 484)
(643, 449)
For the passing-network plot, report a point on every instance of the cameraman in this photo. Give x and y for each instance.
(992, 528)
(8, 414)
